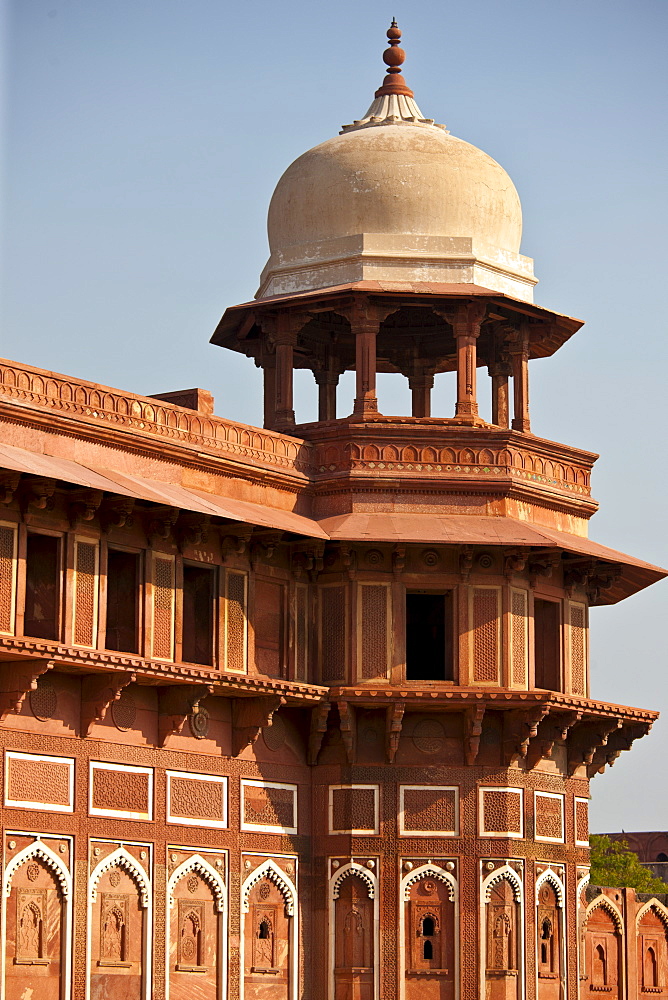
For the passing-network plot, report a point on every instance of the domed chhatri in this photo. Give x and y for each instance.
(395, 197)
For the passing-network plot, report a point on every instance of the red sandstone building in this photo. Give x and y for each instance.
(304, 711)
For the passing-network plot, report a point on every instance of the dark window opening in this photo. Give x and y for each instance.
(547, 631)
(428, 928)
(428, 950)
(42, 576)
(122, 601)
(662, 856)
(264, 931)
(197, 615)
(429, 637)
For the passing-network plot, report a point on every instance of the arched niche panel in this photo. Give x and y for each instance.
(118, 933)
(429, 938)
(503, 940)
(354, 937)
(196, 958)
(549, 939)
(268, 942)
(652, 938)
(603, 956)
(36, 929)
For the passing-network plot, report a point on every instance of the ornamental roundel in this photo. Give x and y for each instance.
(374, 557)
(430, 558)
(428, 886)
(124, 712)
(264, 891)
(43, 701)
(114, 877)
(192, 884)
(428, 736)
(199, 723)
(32, 871)
(545, 894)
(274, 735)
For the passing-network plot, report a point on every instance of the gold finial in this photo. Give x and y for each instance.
(393, 57)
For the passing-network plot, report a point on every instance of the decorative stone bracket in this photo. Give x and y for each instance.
(37, 492)
(587, 738)
(192, 529)
(347, 727)
(160, 522)
(9, 484)
(249, 717)
(319, 716)
(519, 728)
(175, 703)
(83, 505)
(473, 728)
(619, 740)
(393, 722)
(116, 512)
(98, 691)
(553, 729)
(17, 679)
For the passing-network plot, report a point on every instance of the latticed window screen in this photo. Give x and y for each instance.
(86, 564)
(8, 537)
(235, 631)
(163, 607)
(485, 628)
(301, 631)
(578, 647)
(333, 634)
(373, 630)
(519, 647)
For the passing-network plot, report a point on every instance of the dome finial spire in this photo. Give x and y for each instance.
(393, 57)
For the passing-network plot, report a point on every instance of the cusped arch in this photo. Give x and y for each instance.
(504, 872)
(213, 879)
(583, 882)
(285, 885)
(429, 871)
(121, 859)
(350, 869)
(660, 910)
(38, 849)
(607, 904)
(550, 876)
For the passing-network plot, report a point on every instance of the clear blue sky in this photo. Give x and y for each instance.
(142, 140)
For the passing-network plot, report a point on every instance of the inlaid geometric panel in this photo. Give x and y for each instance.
(486, 630)
(33, 781)
(268, 807)
(578, 647)
(196, 799)
(582, 822)
(120, 790)
(86, 562)
(8, 567)
(333, 634)
(353, 809)
(501, 812)
(235, 625)
(373, 630)
(425, 810)
(549, 816)
(519, 647)
(163, 607)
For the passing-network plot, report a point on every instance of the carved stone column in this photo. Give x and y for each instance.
(466, 328)
(269, 382)
(499, 372)
(281, 330)
(327, 383)
(518, 349)
(421, 386)
(364, 323)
